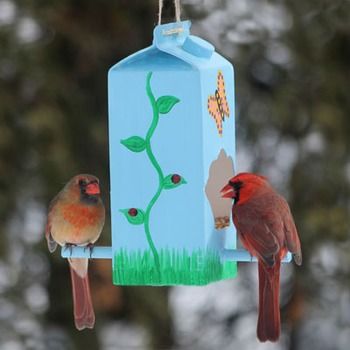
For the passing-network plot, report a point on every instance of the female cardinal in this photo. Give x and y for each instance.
(266, 229)
(76, 217)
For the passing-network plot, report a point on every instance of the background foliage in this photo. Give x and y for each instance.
(292, 68)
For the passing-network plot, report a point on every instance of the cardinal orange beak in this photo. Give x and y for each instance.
(92, 188)
(228, 192)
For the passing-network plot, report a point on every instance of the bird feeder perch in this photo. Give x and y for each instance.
(172, 148)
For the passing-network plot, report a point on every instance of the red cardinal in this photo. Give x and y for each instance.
(266, 229)
(76, 217)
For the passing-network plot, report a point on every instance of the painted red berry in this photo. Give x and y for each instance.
(132, 212)
(175, 179)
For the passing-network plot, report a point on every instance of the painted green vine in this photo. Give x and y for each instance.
(137, 216)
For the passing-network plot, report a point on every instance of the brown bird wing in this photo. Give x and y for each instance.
(51, 244)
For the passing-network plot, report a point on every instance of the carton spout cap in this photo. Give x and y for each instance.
(198, 47)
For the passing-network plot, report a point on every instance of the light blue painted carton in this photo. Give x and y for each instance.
(172, 148)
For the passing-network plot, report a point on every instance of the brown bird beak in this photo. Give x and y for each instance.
(92, 188)
(228, 192)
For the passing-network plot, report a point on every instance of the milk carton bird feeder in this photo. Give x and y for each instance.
(172, 148)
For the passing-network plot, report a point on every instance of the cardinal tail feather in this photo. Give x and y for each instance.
(84, 316)
(269, 312)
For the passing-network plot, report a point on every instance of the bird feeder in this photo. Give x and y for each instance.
(172, 148)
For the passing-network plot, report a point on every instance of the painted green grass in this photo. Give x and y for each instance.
(176, 268)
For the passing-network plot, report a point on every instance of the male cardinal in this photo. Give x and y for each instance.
(266, 229)
(76, 218)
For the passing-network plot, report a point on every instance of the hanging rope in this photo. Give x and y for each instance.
(160, 12)
(177, 11)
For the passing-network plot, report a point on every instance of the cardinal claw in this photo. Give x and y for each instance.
(70, 247)
(89, 246)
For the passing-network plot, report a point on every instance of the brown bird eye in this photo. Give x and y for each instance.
(82, 183)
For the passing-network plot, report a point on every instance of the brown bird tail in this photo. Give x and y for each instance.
(269, 312)
(84, 316)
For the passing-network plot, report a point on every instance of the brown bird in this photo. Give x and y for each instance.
(266, 229)
(76, 218)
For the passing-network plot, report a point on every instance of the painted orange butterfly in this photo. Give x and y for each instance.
(218, 105)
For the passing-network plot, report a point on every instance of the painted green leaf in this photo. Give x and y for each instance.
(135, 216)
(172, 181)
(166, 103)
(134, 143)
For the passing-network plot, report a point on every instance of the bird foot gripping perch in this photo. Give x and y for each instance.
(69, 247)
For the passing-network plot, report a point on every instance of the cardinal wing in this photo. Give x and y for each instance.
(261, 231)
(290, 231)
